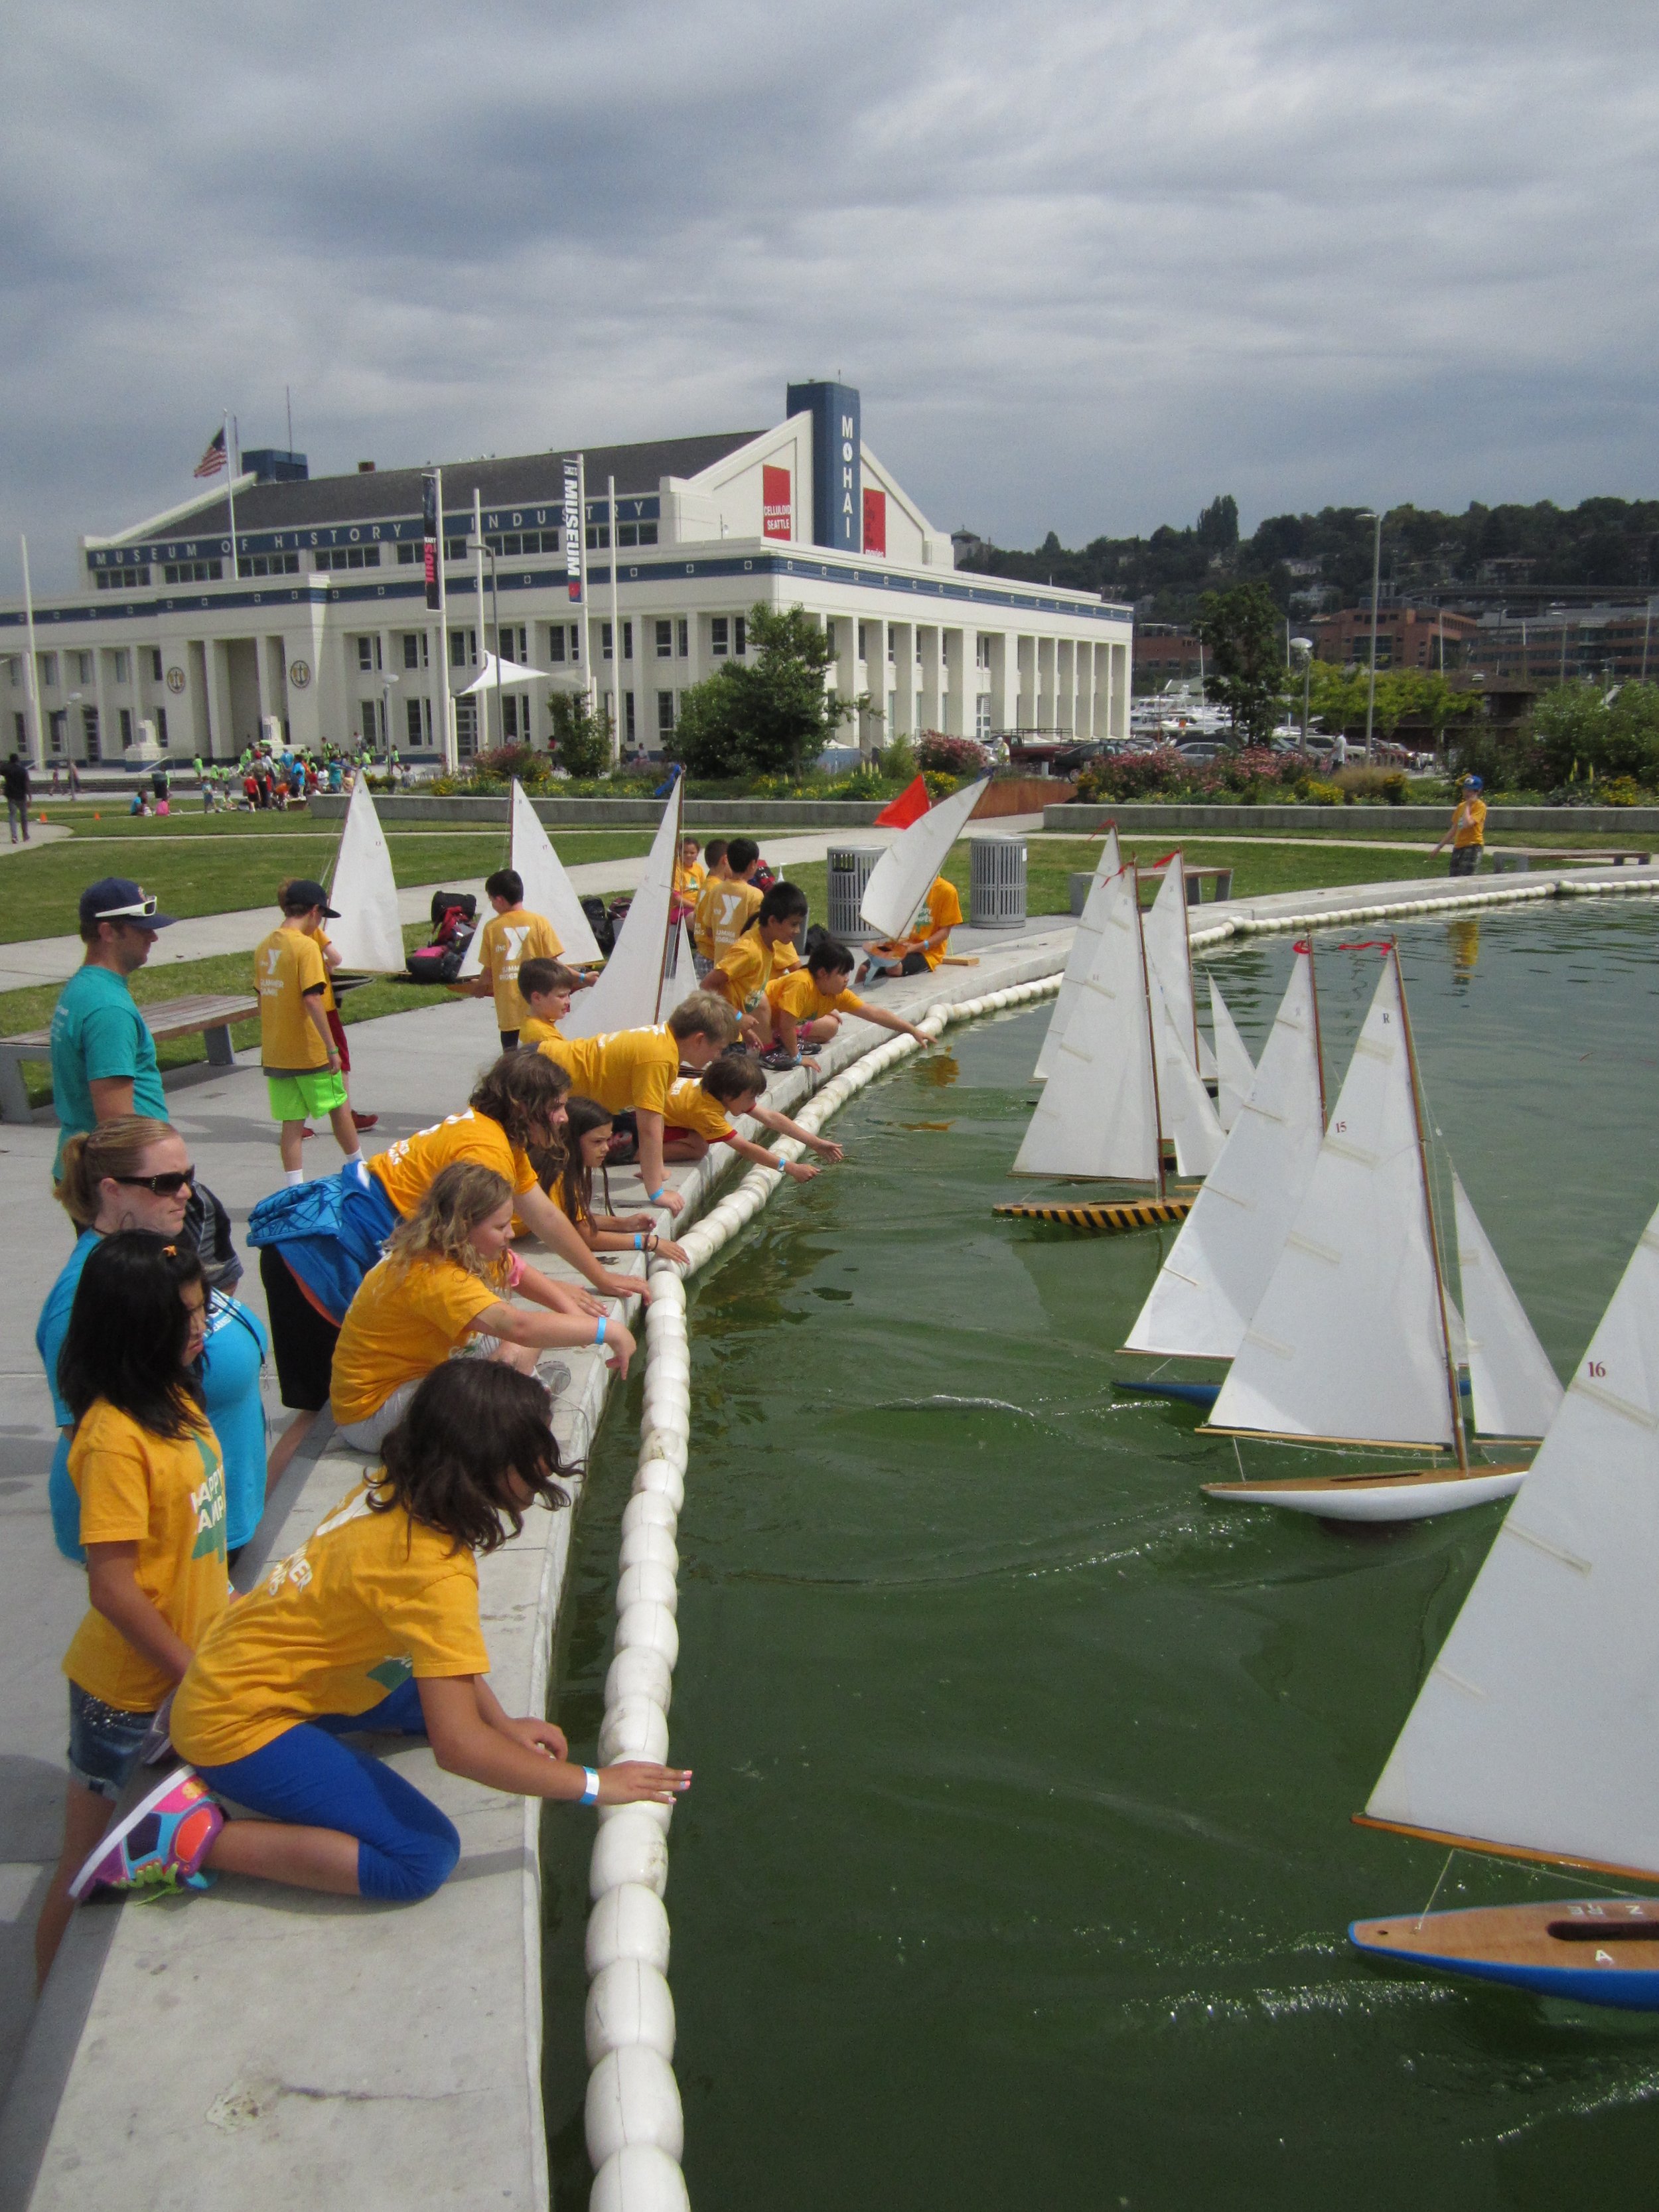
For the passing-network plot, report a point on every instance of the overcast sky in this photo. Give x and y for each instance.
(1089, 263)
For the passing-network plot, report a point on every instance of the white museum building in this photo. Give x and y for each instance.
(320, 625)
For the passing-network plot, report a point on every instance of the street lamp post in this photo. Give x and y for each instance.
(1368, 514)
(1302, 648)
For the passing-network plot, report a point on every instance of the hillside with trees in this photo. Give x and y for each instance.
(1307, 561)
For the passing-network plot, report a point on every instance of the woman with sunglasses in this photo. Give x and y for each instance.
(135, 1173)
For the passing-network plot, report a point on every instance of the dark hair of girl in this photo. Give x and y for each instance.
(521, 1091)
(471, 1423)
(575, 1177)
(783, 903)
(828, 957)
(127, 1332)
(734, 1075)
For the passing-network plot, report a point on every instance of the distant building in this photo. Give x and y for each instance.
(1406, 637)
(314, 625)
(1164, 651)
(1598, 644)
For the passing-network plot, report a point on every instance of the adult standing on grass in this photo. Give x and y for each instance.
(1467, 832)
(511, 936)
(17, 777)
(299, 1057)
(103, 1056)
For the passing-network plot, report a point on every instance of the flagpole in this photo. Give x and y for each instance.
(588, 676)
(477, 554)
(37, 745)
(230, 492)
(616, 624)
(451, 757)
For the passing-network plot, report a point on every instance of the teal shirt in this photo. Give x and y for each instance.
(98, 1033)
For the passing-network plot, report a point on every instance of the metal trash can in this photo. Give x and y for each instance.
(850, 869)
(996, 897)
(1081, 885)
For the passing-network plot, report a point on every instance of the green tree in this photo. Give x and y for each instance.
(579, 739)
(768, 713)
(1244, 633)
(1217, 525)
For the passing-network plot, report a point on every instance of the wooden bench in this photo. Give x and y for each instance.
(1507, 859)
(1220, 881)
(205, 1015)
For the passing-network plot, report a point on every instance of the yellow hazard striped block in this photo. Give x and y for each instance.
(1137, 1213)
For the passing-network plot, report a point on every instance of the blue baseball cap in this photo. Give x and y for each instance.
(1473, 783)
(118, 898)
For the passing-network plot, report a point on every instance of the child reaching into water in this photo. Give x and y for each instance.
(443, 1288)
(373, 1625)
(701, 1114)
(743, 971)
(588, 1132)
(807, 1006)
(148, 1475)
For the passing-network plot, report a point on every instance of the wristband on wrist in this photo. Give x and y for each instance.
(656, 1194)
(591, 1786)
(780, 1164)
(638, 1242)
(599, 1339)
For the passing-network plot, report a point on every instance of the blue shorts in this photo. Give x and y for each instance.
(104, 1743)
(406, 1849)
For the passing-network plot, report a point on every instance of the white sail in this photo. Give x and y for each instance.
(1350, 1338)
(679, 972)
(1168, 957)
(1188, 1118)
(1533, 1725)
(1230, 1243)
(627, 995)
(1078, 960)
(907, 871)
(512, 674)
(1207, 1061)
(547, 889)
(1516, 1391)
(1098, 1112)
(368, 935)
(1234, 1071)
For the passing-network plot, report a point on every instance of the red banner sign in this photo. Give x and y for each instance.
(875, 522)
(777, 508)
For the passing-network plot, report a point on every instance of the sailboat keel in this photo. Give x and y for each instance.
(1601, 1951)
(1412, 1496)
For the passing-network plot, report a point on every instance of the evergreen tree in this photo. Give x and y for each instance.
(768, 713)
(1244, 637)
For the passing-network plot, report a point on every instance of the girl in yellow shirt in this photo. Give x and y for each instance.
(373, 1625)
(147, 1472)
(742, 973)
(588, 1132)
(701, 1114)
(444, 1287)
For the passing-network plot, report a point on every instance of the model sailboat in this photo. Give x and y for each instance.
(547, 889)
(368, 933)
(1084, 940)
(1352, 1342)
(1214, 1277)
(907, 870)
(1529, 1737)
(650, 958)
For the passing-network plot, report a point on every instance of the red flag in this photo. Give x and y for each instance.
(909, 806)
(1165, 861)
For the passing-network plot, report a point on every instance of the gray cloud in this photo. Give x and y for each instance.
(1089, 263)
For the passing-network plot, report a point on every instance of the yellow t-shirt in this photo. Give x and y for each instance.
(1470, 824)
(723, 912)
(532, 1029)
(941, 910)
(410, 1167)
(620, 1069)
(691, 1106)
(403, 1321)
(370, 1600)
(286, 965)
(742, 972)
(508, 940)
(798, 994)
(168, 1497)
(688, 882)
(786, 954)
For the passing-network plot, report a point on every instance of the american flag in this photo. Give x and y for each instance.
(213, 460)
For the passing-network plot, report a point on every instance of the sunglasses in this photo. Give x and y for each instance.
(167, 1184)
(140, 911)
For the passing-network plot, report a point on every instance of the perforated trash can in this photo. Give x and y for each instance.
(850, 869)
(996, 897)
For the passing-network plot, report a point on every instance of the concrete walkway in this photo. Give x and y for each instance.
(40, 833)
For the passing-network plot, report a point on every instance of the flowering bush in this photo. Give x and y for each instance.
(1135, 776)
(939, 785)
(952, 757)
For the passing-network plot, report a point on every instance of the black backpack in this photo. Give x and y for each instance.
(436, 964)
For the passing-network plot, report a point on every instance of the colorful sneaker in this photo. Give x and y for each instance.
(778, 1060)
(161, 1843)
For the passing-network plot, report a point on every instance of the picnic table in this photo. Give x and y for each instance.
(1220, 881)
(1509, 859)
(203, 1016)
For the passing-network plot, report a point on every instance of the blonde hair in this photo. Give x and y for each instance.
(113, 1149)
(700, 1013)
(441, 1225)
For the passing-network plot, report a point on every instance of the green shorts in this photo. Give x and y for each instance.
(294, 1097)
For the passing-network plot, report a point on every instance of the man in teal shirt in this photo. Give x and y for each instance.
(103, 1056)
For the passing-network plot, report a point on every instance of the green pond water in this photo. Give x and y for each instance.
(1018, 1861)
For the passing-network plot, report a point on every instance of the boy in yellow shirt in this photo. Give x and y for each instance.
(511, 937)
(744, 969)
(299, 1055)
(807, 1006)
(632, 1072)
(701, 1114)
(728, 902)
(1468, 834)
(547, 987)
(939, 913)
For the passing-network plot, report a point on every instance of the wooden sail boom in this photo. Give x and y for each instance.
(1450, 1840)
(1349, 1444)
